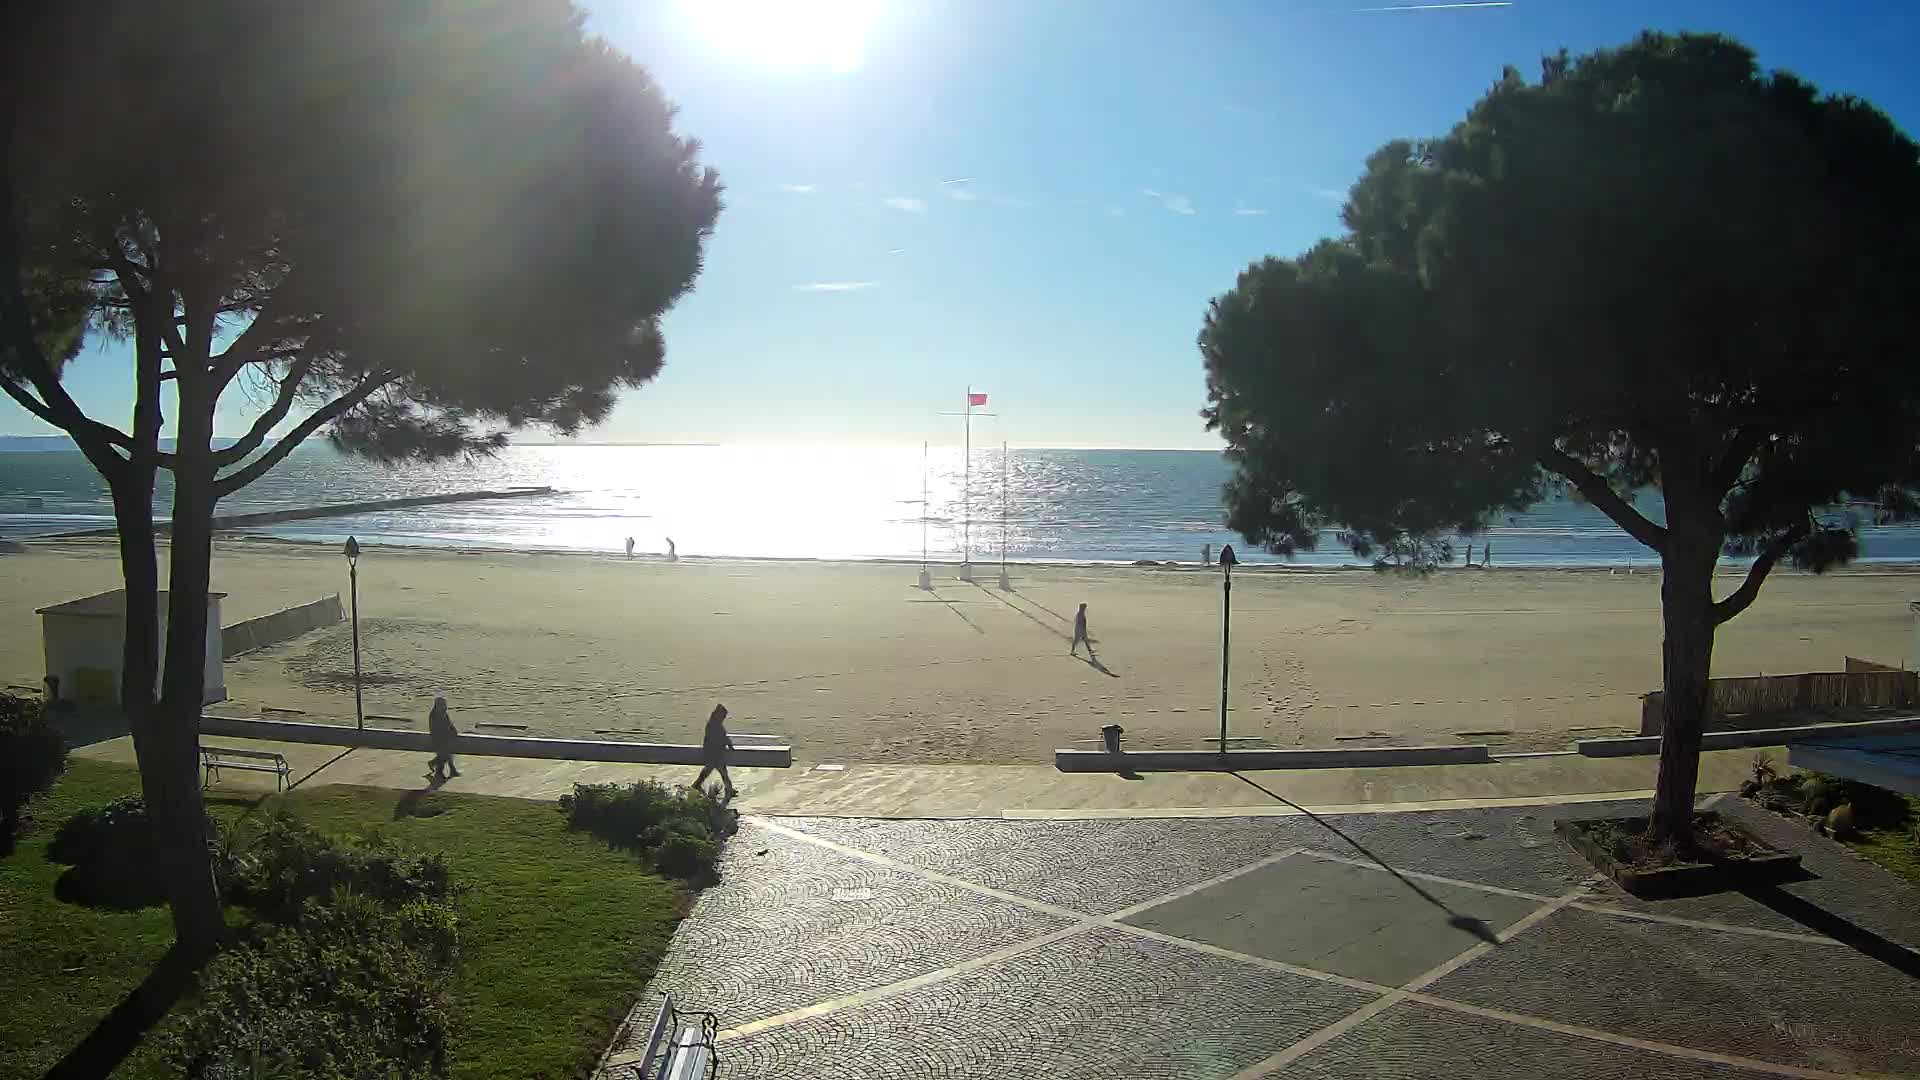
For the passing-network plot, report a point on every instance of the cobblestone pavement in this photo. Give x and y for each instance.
(1236, 948)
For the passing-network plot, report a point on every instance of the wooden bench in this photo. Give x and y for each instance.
(215, 758)
(677, 1050)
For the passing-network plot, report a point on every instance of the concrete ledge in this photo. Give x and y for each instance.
(283, 625)
(1238, 760)
(756, 757)
(1734, 740)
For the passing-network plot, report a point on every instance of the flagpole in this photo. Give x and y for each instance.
(1004, 583)
(926, 576)
(966, 495)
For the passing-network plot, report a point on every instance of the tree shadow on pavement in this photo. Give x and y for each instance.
(1468, 923)
(117, 1033)
(1821, 921)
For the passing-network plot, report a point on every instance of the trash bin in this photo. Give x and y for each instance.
(1111, 733)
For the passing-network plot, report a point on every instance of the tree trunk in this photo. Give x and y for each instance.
(1686, 653)
(178, 814)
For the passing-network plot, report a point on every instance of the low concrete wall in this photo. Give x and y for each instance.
(1855, 663)
(758, 757)
(1733, 740)
(283, 625)
(1779, 693)
(1235, 760)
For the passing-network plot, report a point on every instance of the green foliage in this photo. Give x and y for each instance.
(1819, 794)
(285, 864)
(115, 861)
(32, 757)
(1655, 265)
(1842, 823)
(352, 987)
(348, 973)
(678, 829)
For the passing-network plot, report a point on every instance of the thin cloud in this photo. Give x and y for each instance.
(1174, 203)
(896, 251)
(1115, 210)
(1329, 194)
(1249, 211)
(796, 189)
(960, 194)
(835, 286)
(905, 202)
(1469, 5)
(959, 180)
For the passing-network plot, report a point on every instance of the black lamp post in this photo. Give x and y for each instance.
(353, 589)
(1227, 561)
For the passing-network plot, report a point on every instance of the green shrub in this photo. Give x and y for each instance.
(32, 756)
(1872, 806)
(285, 863)
(1842, 822)
(113, 855)
(352, 989)
(348, 976)
(679, 829)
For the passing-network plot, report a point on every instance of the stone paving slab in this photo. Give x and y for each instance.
(1798, 1003)
(1332, 917)
(1097, 867)
(791, 924)
(1099, 1004)
(1412, 1040)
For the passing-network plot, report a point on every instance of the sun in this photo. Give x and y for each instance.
(828, 34)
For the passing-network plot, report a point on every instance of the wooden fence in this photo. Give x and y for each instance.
(1783, 693)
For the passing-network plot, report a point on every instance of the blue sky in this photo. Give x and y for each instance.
(1121, 160)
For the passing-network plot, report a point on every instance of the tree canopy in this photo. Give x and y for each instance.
(414, 225)
(1656, 265)
(420, 223)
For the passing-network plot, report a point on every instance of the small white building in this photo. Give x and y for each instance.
(84, 641)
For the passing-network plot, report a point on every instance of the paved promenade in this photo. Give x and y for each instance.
(1247, 947)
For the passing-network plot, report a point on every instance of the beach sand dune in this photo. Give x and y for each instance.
(854, 664)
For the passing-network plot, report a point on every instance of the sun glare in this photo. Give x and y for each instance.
(785, 33)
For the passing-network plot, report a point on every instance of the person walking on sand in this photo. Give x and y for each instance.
(1080, 633)
(713, 749)
(1206, 554)
(673, 555)
(629, 547)
(441, 733)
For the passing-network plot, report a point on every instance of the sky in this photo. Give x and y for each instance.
(1037, 198)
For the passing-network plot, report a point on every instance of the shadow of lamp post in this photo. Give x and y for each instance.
(353, 590)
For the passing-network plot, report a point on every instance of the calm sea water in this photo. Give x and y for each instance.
(811, 502)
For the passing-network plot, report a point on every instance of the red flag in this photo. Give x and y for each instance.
(976, 399)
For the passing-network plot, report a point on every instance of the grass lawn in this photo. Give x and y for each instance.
(1892, 848)
(557, 932)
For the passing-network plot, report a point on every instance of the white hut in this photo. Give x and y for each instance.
(84, 640)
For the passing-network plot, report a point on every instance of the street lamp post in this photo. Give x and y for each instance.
(1227, 561)
(353, 589)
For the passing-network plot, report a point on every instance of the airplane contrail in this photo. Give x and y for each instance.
(961, 180)
(1443, 7)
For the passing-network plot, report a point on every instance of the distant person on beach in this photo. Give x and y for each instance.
(1486, 556)
(441, 733)
(1206, 554)
(629, 547)
(713, 749)
(1080, 633)
(672, 555)
(1469, 554)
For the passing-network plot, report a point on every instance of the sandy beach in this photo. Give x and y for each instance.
(854, 664)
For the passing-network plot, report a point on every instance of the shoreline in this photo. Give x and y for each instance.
(1891, 567)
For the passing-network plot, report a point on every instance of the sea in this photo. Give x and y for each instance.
(810, 502)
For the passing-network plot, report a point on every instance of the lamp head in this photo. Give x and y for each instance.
(353, 549)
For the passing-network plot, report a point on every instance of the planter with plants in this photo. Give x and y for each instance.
(1883, 825)
(1721, 854)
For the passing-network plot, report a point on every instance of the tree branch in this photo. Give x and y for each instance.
(1601, 494)
(1733, 460)
(282, 404)
(1742, 598)
(320, 417)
